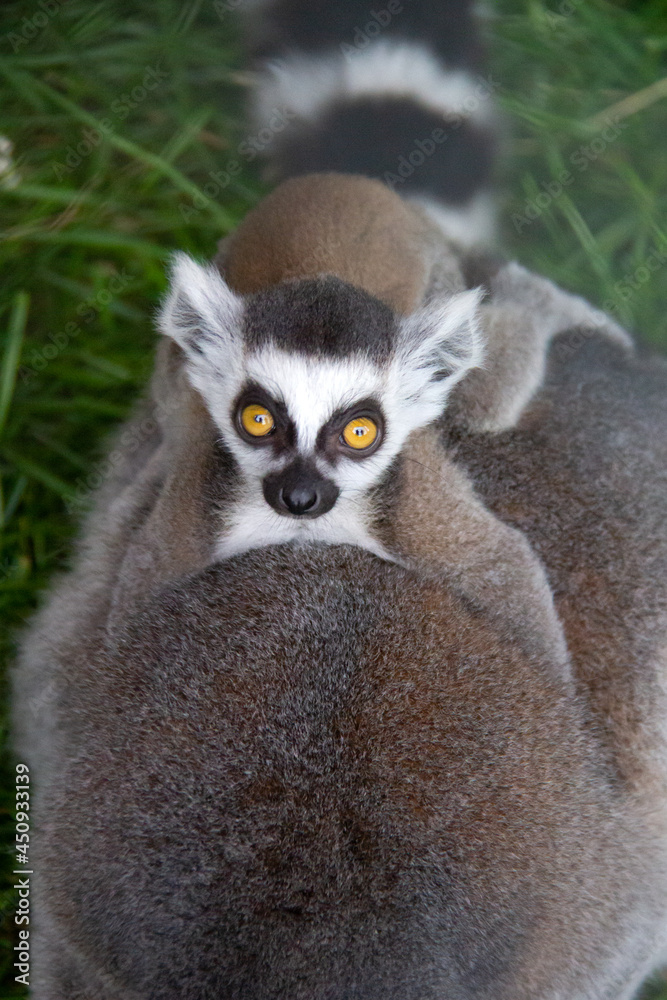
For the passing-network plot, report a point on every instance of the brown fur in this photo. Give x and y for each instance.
(177, 534)
(360, 231)
(439, 524)
(594, 444)
(351, 227)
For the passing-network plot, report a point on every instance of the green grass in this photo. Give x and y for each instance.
(86, 233)
(587, 201)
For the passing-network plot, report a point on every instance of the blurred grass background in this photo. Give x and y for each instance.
(124, 119)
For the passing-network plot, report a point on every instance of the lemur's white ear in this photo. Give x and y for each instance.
(204, 316)
(436, 347)
(200, 312)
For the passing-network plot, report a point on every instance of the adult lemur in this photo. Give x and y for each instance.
(429, 765)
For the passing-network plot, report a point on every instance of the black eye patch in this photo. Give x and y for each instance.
(329, 441)
(283, 437)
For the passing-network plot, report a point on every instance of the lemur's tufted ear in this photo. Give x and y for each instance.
(436, 347)
(204, 317)
(200, 312)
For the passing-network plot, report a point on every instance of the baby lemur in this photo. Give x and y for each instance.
(340, 325)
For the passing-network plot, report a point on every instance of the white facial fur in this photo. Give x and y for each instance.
(205, 318)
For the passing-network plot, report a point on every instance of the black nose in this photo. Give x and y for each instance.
(300, 490)
(299, 499)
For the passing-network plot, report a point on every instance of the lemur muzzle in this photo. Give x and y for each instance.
(300, 490)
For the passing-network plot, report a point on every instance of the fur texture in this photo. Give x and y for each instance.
(356, 779)
(313, 751)
(319, 334)
(352, 227)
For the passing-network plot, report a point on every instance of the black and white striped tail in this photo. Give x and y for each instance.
(392, 90)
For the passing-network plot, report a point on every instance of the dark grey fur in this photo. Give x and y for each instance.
(311, 774)
(448, 27)
(323, 316)
(371, 137)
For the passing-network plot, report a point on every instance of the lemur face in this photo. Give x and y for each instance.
(314, 386)
(312, 446)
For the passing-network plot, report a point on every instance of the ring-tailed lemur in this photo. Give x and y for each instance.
(315, 383)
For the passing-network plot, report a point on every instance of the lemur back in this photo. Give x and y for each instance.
(345, 225)
(311, 773)
(408, 744)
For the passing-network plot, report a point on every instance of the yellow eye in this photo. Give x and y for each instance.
(257, 420)
(360, 433)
